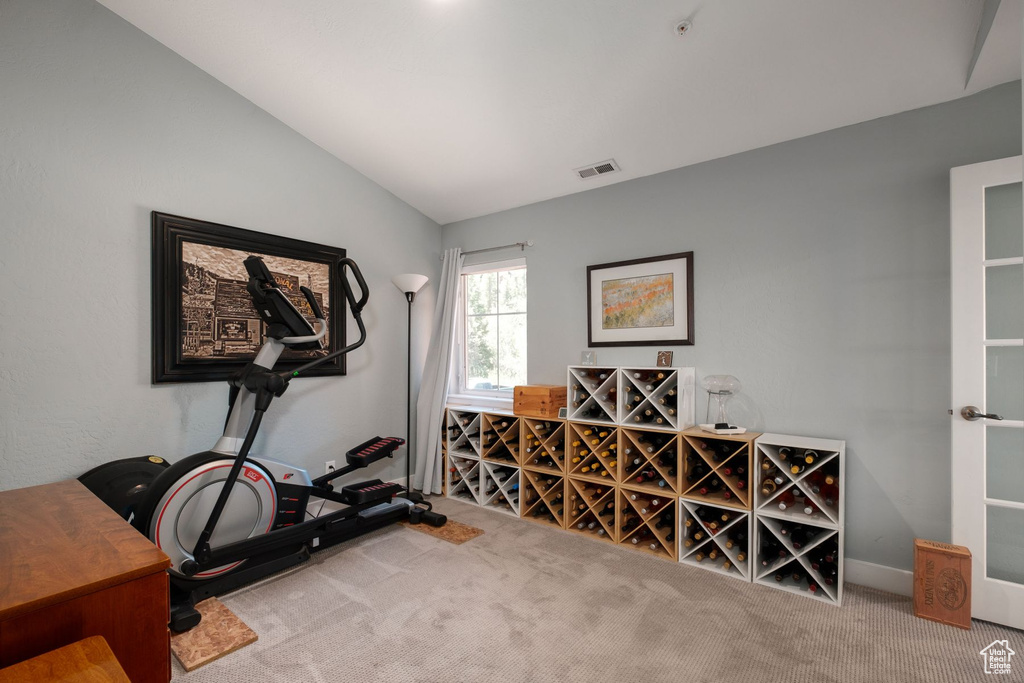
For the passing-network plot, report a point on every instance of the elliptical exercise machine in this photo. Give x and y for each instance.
(226, 518)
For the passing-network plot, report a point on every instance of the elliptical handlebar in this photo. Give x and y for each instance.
(355, 305)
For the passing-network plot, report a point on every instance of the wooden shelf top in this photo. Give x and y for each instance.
(698, 432)
(59, 542)
(505, 412)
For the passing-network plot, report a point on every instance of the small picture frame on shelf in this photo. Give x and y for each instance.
(588, 358)
(664, 359)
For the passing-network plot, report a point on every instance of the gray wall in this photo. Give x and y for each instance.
(822, 283)
(99, 125)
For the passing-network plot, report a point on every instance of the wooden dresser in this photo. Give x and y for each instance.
(71, 568)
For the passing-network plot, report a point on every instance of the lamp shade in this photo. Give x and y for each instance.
(410, 282)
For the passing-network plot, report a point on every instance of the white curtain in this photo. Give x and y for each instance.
(436, 371)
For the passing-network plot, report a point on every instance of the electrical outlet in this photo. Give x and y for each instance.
(329, 467)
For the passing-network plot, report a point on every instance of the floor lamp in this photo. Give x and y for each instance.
(409, 284)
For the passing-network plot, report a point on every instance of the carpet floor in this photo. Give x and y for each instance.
(528, 603)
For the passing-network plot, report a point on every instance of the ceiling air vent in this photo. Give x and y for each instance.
(597, 169)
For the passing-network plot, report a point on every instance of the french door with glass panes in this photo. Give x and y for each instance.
(987, 334)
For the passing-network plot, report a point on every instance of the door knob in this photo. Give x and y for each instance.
(971, 413)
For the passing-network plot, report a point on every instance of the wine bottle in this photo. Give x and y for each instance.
(640, 536)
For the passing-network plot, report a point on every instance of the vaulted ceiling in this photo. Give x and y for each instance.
(466, 107)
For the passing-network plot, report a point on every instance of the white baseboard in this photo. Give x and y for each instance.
(899, 581)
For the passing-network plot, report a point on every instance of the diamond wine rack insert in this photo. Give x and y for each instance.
(799, 505)
(499, 487)
(500, 439)
(647, 522)
(647, 398)
(592, 394)
(543, 498)
(716, 468)
(543, 445)
(649, 461)
(590, 509)
(715, 538)
(592, 449)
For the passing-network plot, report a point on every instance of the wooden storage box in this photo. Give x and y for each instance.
(539, 400)
(942, 582)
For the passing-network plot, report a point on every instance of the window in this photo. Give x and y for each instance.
(492, 350)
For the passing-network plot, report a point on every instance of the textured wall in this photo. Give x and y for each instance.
(99, 125)
(822, 282)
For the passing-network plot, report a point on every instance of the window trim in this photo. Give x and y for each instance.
(458, 393)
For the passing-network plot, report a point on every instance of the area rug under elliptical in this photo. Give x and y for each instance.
(453, 532)
(219, 633)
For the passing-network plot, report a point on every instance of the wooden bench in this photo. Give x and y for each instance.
(71, 568)
(87, 661)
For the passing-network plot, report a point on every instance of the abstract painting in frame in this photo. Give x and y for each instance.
(642, 302)
(204, 325)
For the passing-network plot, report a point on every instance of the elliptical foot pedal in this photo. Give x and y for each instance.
(373, 450)
(373, 491)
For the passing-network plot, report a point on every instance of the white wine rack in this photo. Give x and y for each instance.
(463, 478)
(500, 487)
(638, 397)
(464, 428)
(799, 505)
(592, 394)
(483, 451)
(656, 398)
(715, 538)
(799, 559)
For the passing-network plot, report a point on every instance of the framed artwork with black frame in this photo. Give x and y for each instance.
(642, 302)
(204, 325)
